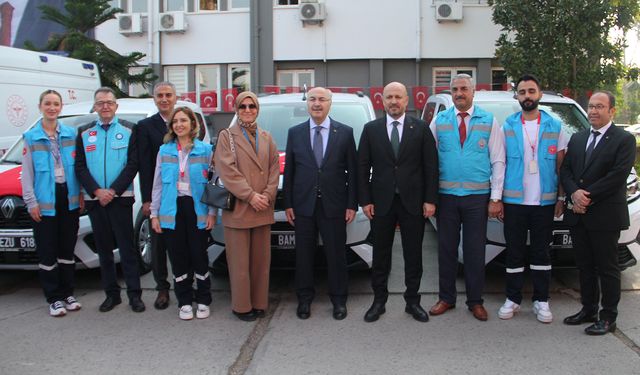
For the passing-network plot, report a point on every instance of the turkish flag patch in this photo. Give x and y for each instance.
(552, 150)
(90, 148)
(205, 173)
(93, 132)
(73, 154)
(24, 151)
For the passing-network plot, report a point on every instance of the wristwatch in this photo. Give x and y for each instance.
(562, 198)
(495, 200)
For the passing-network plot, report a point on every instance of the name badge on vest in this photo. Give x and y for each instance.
(533, 167)
(183, 186)
(59, 172)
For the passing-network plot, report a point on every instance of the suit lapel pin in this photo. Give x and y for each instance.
(335, 131)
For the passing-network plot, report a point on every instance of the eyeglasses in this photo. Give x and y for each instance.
(109, 103)
(598, 107)
(245, 106)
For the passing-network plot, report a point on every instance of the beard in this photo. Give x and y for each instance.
(529, 105)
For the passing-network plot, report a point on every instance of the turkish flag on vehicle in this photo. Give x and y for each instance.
(229, 96)
(188, 96)
(420, 95)
(375, 93)
(272, 89)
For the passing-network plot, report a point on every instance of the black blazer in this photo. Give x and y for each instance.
(149, 135)
(604, 176)
(336, 177)
(415, 172)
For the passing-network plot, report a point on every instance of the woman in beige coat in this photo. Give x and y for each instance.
(251, 174)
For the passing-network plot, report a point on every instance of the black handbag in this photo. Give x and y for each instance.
(215, 194)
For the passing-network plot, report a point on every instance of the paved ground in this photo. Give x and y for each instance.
(157, 342)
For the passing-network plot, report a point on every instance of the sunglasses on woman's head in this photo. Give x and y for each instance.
(245, 106)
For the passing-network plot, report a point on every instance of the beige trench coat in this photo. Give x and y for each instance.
(249, 175)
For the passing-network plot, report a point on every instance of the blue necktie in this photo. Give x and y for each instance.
(317, 146)
(592, 145)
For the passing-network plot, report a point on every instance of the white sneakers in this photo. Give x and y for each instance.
(72, 304)
(57, 309)
(186, 312)
(508, 309)
(542, 311)
(202, 312)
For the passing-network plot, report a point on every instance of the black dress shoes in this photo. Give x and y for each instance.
(601, 327)
(136, 304)
(162, 301)
(304, 310)
(109, 303)
(259, 313)
(374, 312)
(339, 312)
(249, 316)
(580, 318)
(417, 312)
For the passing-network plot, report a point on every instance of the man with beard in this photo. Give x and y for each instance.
(535, 147)
(471, 154)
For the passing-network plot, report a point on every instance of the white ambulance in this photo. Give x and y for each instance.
(24, 75)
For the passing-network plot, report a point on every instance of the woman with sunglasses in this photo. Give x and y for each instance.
(248, 167)
(182, 166)
(52, 195)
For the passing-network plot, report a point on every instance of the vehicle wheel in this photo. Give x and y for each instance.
(142, 239)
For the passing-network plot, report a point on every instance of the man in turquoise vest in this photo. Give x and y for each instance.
(471, 158)
(535, 147)
(106, 163)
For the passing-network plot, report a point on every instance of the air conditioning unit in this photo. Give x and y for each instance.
(311, 12)
(130, 24)
(172, 22)
(448, 11)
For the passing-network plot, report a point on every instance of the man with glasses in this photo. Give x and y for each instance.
(106, 163)
(319, 188)
(594, 175)
(150, 134)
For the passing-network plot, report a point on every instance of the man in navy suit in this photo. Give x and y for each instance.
(320, 197)
(150, 136)
(397, 184)
(594, 175)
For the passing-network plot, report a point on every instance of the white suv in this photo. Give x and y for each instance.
(277, 114)
(17, 246)
(574, 119)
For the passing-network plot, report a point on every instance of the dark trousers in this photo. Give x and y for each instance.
(159, 261)
(334, 238)
(187, 247)
(537, 221)
(113, 228)
(55, 238)
(468, 212)
(596, 254)
(412, 233)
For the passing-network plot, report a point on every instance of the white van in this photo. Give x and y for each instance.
(24, 75)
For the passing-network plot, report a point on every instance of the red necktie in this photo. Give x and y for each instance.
(6, 12)
(461, 128)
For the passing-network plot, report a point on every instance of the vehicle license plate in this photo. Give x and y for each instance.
(562, 239)
(283, 240)
(17, 243)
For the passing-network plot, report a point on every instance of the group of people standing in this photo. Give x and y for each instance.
(463, 168)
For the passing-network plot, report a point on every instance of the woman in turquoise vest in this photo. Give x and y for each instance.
(52, 195)
(181, 172)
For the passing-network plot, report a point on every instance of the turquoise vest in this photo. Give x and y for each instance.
(464, 170)
(43, 167)
(550, 129)
(199, 159)
(106, 153)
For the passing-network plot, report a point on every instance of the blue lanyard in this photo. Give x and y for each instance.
(248, 140)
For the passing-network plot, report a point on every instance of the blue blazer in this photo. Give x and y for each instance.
(336, 177)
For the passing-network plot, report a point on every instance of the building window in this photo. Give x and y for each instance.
(137, 89)
(240, 77)
(442, 76)
(206, 5)
(208, 87)
(498, 79)
(239, 4)
(114, 4)
(138, 6)
(296, 78)
(174, 5)
(287, 2)
(177, 75)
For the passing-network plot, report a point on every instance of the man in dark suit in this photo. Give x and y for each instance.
(21, 21)
(397, 184)
(594, 175)
(150, 134)
(320, 197)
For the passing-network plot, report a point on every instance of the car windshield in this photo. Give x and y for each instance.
(573, 119)
(14, 154)
(277, 118)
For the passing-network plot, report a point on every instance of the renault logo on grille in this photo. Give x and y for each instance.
(7, 207)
